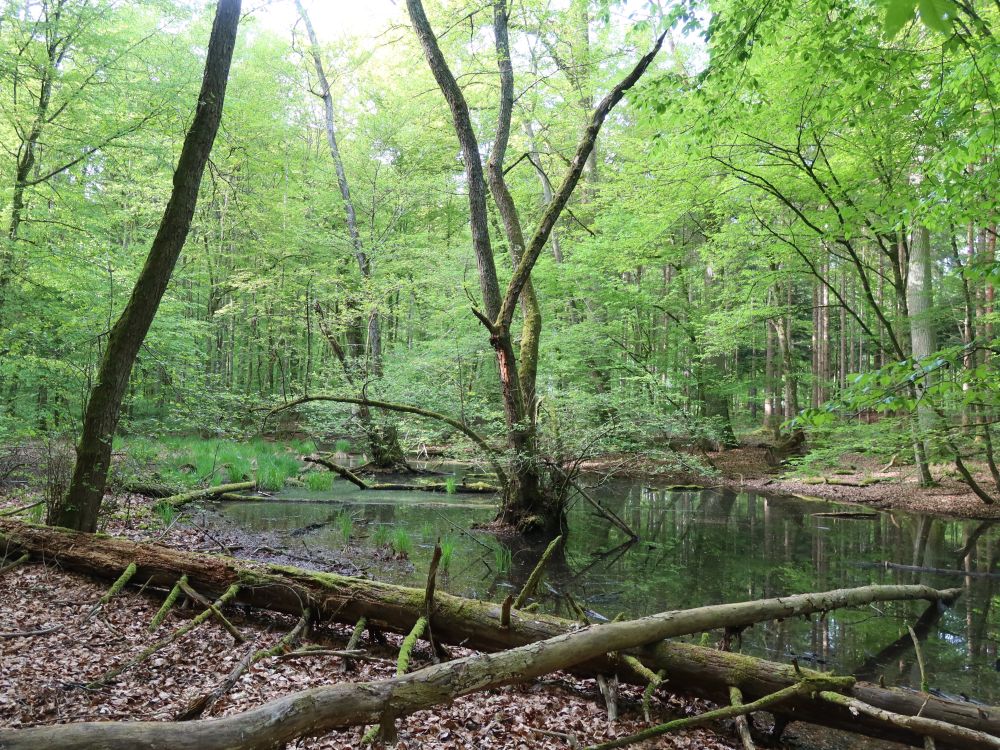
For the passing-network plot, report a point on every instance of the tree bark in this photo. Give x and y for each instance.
(79, 510)
(527, 503)
(691, 669)
(920, 302)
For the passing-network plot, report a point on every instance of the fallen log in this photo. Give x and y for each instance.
(361, 484)
(690, 669)
(148, 490)
(320, 710)
(220, 489)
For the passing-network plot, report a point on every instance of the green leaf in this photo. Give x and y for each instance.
(937, 14)
(898, 13)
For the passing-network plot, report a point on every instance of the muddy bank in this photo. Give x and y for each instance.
(858, 479)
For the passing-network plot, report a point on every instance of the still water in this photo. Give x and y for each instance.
(697, 547)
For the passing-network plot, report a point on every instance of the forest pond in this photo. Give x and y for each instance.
(697, 547)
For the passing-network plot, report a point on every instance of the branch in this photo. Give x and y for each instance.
(474, 436)
(559, 200)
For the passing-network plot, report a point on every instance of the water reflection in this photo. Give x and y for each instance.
(710, 547)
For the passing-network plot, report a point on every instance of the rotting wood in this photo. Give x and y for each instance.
(609, 690)
(115, 589)
(15, 511)
(742, 721)
(207, 603)
(355, 639)
(429, 597)
(693, 670)
(13, 564)
(164, 609)
(356, 653)
(341, 471)
(31, 633)
(205, 492)
(961, 736)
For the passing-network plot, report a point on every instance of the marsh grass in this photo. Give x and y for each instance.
(381, 536)
(447, 551)
(188, 462)
(345, 522)
(319, 481)
(166, 513)
(502, 558)
(402, 544)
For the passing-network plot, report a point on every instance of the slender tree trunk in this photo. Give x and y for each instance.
(383, 440)
(526, 503)
(79, 509)
(919, 305)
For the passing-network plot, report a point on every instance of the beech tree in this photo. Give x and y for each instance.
(530, 501)
(80, 508)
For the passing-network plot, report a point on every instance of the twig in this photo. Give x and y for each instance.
(15, 511)
(536, 575)
(807, 685)
(29, 633)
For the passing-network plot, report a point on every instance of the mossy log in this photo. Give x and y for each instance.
(320, 710)
(220, 489)
(477, 624)
(481, 488)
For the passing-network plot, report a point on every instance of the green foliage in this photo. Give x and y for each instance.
(402, 544)
(345, 523)
(447, 544)
(450, 485)
(502, 559)
(319, 481)
(166, 513)
(382, 536)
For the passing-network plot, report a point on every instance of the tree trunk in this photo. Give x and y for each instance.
(478, 625)
(383, 440)
(79, 509)
(919, 303)
(528, 504)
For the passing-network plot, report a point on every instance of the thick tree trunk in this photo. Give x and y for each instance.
(478, 625)
(80, 508)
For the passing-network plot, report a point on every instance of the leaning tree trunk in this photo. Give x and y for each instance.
(82, 503)
(483, 626)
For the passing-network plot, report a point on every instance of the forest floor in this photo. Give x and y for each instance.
(42, 677)
(857, 479)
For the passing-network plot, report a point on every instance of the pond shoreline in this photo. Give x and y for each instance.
(859, 480)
